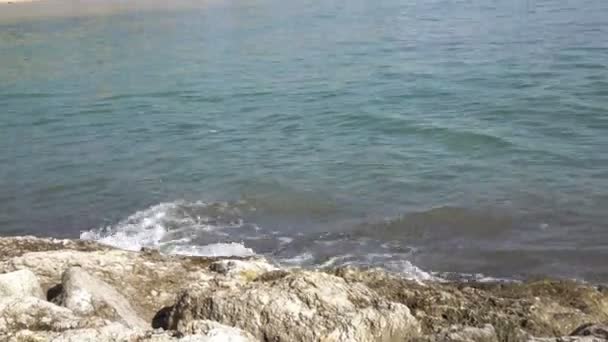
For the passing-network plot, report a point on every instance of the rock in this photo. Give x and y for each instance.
(30, 313)
(20, 284)
(566, 339)
(112, 332)
(302, 306)
(11, 247)
(89, 296)
(270, 303)
(595, 330)
(469, 334)
(215, 331)
(115, 332)
(540, 308)
(247, 269)
(130, 273)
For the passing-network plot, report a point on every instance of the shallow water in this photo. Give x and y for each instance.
(459, 137)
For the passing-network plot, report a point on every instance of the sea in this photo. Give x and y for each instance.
(437, 139)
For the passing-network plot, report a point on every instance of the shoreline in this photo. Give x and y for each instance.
(75, 289)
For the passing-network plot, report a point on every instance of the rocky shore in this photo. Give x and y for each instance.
(71, 290)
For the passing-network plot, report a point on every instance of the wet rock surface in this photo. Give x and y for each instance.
(70, 290)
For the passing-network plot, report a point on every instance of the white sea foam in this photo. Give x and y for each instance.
(213, 250)
(145, 228)
(337, 260)
(409, 270)
(285, 240)
(173, 227)
(298, 259)
(149, 228)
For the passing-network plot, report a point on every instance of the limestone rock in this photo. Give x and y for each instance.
(487, 333)
(301, 306)
(112, 332)
(20, 283)
(566, 339)
(115, 332)
(344, 304)
(30, 313)
(11, 247)
(539, 308)
(595, 330)
(215, 331)
(86, 295)
(134, 275)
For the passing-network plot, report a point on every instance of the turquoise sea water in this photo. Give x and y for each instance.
(457, 136)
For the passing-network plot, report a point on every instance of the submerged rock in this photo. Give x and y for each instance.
(302, 306)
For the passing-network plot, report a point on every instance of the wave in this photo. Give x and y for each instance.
(222, 229)
(214, 229)
(142, 229)
(453, 138)
(456, 137)
(171, 226)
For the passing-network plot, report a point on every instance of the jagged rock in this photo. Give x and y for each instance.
(11, 247)
(487, 333)
(134, 275)
(282, 304)
(116, 332)
(566, 339)
(302, 306)
(30, 313)
(89, 296)
(540, 308)
(20, 284)
(112, 332)
(595, 330)
(215, 331)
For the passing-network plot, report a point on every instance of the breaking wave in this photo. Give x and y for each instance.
(226, 229)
